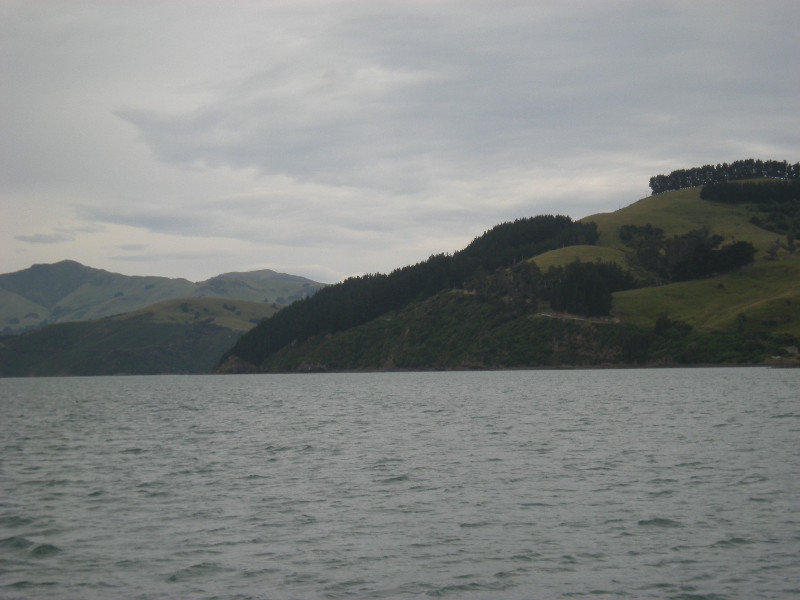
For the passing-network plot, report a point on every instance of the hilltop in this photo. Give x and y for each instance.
(692, 275)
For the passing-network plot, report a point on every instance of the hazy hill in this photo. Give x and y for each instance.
(174, 336)
(501, 314)
(69, 291)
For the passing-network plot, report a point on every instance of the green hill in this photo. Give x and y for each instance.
(508, 312)
(678, 212)
(175, 336)
(69, 291)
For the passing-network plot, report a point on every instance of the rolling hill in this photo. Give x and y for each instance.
(69, 291)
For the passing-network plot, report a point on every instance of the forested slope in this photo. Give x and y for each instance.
(360, 299)
(176, 336)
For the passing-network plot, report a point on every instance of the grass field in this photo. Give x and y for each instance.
(681, 211)
(767, 292)
(564, 256)
(238, 315)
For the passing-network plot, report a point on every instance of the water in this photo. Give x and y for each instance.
(673, 483)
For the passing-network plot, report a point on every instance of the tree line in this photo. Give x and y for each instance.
(741, 169)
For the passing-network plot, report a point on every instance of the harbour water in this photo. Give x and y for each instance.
(646, 483)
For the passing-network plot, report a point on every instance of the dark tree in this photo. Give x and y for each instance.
(741, 169)
(585, 288)
(692, 255)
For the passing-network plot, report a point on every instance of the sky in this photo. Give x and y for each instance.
(334, 138)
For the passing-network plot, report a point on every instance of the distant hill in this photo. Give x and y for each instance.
(69, 291)
(174, 336)
(715, 282)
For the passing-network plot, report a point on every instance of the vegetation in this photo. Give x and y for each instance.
(360, 299)
(692, 255)
(768, 292)
(585, 288)
(775, 204)
(709, 174)
(679, 212)
(582, 253)
(459, 330)
(178, 336)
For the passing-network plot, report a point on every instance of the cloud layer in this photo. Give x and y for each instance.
(330, 138)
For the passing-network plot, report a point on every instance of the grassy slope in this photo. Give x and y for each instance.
(768, 292)
(120, 295)
(17, 312)
(564, 256)
(177, 336)
(678, 212)
(238, 315)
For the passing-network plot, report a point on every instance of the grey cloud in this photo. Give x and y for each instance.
(155, 218)
(435, 94)
(154, 257)
(59, 234)
(45, 238)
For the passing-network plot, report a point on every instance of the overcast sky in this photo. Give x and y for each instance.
(327, 139)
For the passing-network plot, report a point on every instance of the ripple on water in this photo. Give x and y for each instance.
(15, 542)
(199, 570)
(659, 522)
(398, 486)
(45, 550)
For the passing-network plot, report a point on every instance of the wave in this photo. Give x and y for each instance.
(659, 522)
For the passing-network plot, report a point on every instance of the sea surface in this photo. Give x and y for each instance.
(645, 483)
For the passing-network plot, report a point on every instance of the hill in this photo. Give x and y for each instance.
(70, 291)
(679, 212)
(671, 279)
(175, 336)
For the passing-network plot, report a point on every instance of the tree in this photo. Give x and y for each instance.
(579, 288)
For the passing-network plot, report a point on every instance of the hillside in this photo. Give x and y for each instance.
(175, 336)
(69, 291)
(709, 286)
(678, 212)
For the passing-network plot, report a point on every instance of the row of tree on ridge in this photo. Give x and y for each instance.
(740, 169)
